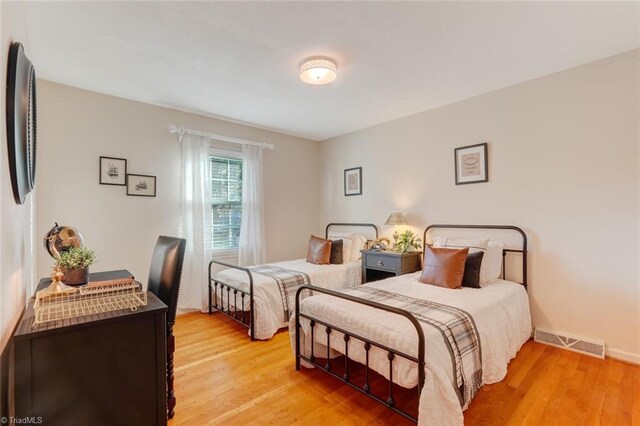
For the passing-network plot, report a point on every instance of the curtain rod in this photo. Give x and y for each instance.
(182, 131)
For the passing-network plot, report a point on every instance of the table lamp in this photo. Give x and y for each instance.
(395, 219)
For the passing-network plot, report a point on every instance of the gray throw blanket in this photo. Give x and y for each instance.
(456, 326)
(288, 281)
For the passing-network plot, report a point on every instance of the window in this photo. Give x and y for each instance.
(226, 206)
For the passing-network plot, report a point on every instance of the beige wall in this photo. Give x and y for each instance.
(563, 154)
(16, 243)
(77, 126)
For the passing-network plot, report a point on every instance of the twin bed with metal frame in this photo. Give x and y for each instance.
(342, 315)
(236, 296)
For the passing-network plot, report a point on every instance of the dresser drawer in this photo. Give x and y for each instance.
(383, 263)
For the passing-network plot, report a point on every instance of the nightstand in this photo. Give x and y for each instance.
(381, 264)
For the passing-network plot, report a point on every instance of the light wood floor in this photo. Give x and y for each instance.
(223, 378)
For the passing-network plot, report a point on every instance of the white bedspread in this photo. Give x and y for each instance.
(501, 313)
(268, 314)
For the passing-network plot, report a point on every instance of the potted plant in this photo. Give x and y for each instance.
(75, 263)
(407, 241)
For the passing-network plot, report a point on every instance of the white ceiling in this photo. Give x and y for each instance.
(239, 60)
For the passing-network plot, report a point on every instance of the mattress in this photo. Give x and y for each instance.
(500, 311)
(268, 313)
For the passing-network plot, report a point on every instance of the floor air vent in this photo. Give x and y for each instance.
(593, 348)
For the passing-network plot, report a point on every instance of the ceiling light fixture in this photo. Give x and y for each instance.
(318, 71)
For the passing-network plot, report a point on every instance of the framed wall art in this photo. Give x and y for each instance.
(353, 181)
(113, 171)
(471, 164)
(141, 185)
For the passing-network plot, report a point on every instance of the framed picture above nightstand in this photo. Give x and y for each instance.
(381, 264)
(471, 164)
(353, 181)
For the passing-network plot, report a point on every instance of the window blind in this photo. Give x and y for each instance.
(226, 207)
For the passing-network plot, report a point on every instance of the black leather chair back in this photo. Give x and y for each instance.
(166, 271)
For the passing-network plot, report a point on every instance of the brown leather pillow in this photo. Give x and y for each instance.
(444, 267)
(319, 251)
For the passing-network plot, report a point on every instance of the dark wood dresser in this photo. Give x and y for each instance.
(102, 369)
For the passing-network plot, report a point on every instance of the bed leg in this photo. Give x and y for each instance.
(252, 309)
(298, 330)
(297, 339)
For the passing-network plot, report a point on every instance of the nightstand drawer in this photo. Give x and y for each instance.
(384, 263)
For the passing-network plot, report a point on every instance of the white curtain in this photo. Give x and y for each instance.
(195, 222)
(251, 250)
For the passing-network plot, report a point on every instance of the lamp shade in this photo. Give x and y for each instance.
(396, 218)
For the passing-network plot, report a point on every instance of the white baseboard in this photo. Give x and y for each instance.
(623, 356)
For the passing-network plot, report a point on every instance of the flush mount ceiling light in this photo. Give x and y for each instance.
(318, 71)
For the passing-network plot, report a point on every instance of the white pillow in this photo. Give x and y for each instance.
(347, 244)
(494, 260)
(475, 245)
(352, 244)
(359, 243)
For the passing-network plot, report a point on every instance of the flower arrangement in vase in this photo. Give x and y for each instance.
(407, 242)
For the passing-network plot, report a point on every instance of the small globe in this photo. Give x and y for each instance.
(60, 239)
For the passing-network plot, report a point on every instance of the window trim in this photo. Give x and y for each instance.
(218, 152)
(225, 252)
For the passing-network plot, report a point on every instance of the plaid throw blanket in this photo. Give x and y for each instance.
(288, 282)
(456, 326)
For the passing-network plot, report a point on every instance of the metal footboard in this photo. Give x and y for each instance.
(367, 344)
(239, 296)
(218, 288)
